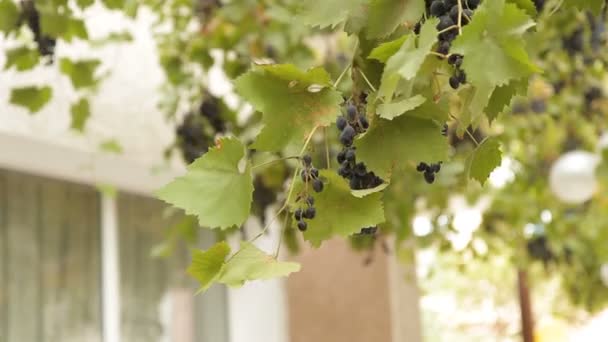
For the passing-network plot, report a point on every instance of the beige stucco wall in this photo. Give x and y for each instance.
(336, 298)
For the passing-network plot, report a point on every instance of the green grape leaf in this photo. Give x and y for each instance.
(593, 5)
(113, 4)
(81, 73)
(251, 263)
(407, 61)
(323, 13)
(61, 25)
(111, 146)
(22, 58)
(486, 157)
(392, 110)
(9, 15)
(84, 3)
(339, 212)
(502, 96)
(473, 100)
(217, 188)
(32, 98)
(80, 112)
(293, 102)
(493, 41)
(526, 5)
(206, 265)
(385, 15)
(395, 144)
(386, 50)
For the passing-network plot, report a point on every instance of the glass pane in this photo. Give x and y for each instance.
(157, 296)
(49, 260)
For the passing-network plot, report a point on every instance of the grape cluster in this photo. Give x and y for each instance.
(539, 4)
(197, 132)
(429, 171)
(310, 175)
(449, 13)
(359, 178)
(538, 248)
(45, 43)
(350, 125)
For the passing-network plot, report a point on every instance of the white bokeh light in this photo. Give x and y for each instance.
(422, 225)
(572, 177)
(546, 216)
(503, 174)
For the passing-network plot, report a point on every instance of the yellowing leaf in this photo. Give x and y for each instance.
(248, 263)
(206, 265)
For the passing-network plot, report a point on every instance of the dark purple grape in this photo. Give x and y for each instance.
(310, 200)
(422, 167)
(454, 13)
(364, 122)
(347, 135)
(310, 213)
(444, 22)
(351, 113)
(341, 122)
(444, 47)
(350, 155)
(302, 226)
(429, 177)
(437, 8)
(454, 82)
(307, 159)
(297, 214)
(317, 185)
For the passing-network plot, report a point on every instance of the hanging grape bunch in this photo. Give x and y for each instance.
(351, 125)
(429, 171)
(310, 177)
(31, 16)
(451, 16)
(198, 130)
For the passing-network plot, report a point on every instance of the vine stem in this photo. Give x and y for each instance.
(291, 187)
(369, 84)
(466, 130)
(449, 28)
(276, 252)
(342, 75)
(327, 159)
(459, 16)
(438, 54)
(348, 66)
(273, 161)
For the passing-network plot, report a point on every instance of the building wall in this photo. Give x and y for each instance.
(336, 298)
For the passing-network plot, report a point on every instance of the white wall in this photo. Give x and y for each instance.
(125, 108)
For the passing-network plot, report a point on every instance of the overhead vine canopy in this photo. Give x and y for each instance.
(361, 109)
